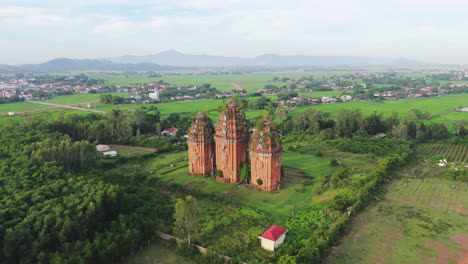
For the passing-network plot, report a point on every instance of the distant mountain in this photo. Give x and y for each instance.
(66, 65)
(7, 68)
(63, 64)
(175, 58)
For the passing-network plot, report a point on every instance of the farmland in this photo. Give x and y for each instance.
(441, 108)
(453, 153)
(422, 219)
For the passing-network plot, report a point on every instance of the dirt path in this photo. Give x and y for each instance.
(238, 86)
(68, 107)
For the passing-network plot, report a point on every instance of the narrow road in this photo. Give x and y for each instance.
(68, 107)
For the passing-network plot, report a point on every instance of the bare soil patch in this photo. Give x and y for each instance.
(445, 255)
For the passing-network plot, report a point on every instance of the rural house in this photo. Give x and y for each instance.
(273, 237)
(170, 132)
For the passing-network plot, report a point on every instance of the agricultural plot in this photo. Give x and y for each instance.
(453, 153)
(74, 99)
(439, 107)
(19, 107)
(422, 219)
(441, 194)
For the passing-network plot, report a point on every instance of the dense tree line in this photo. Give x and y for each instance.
(139, 127)
(353, 122)
(50, 216)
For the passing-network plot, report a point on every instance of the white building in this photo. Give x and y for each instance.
(273, 237)
(110, 154)
(346, 98)
(154, 95)
(328, 100)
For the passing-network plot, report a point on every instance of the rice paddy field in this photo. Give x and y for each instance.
(223, 82)
(441, 108)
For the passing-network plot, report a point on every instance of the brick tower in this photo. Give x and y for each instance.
(201, 145)
(265, 156)
(231, 140)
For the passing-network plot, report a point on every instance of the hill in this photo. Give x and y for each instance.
(64, 64)
(176, 58)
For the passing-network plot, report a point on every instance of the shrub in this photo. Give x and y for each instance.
(334, 163)
(343, 200)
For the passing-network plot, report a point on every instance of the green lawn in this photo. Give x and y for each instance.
(303, 177)
(130, 151)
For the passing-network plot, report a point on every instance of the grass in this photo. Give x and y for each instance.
(158, 252)
(223, 82)
(19, 107)
(130, 151)
(441, 108)
(302, 180)
(422, 219)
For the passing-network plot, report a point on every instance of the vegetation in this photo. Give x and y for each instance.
(335, 165)
(420, 219)
(50, 216)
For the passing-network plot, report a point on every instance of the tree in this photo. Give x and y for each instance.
(187, 213)
(344, 199)
(244, 171)
(287, 259)
(349, 121)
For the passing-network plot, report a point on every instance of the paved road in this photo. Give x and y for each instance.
(68, 107)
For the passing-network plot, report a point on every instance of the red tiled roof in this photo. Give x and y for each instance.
(172, 130)
(274, 232)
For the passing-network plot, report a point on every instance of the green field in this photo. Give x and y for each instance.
(453, 153)
(19, 107)
(160, 252)
(441, 108)
(225, 82)
(80, 98)
(131, 151)
(296, 189)
(423, 219)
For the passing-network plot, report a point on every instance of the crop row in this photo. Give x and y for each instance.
(453, 153)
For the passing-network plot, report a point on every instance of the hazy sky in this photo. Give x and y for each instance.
(34, 31)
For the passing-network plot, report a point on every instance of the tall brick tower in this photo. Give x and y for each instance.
(201, 145)
(265, 158)
(231, 140)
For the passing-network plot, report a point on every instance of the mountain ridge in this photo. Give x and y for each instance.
(176, 58)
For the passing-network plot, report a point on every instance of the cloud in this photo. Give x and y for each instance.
(238, 27)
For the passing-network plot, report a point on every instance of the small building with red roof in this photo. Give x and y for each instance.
(172, 131)
(273, 237)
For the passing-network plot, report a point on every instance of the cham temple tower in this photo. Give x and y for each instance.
(201, 145)
(231, 140)
(225, 148)
(265, 156)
